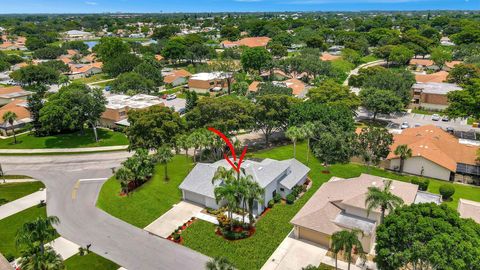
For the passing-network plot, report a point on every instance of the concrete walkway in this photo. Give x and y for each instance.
(64, 247)
(23, 203)
(64, 150)
(168, 222)
(366, 65)
(9, 181)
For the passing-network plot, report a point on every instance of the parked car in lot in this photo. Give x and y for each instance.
(404, 125)
(417, 125)
(450, 129)
(435, 117)
(171, 96)
(445, 118)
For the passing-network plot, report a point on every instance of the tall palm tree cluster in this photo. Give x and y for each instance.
(237, 191)
(10, 118)
(307, 131)
(204, 144)
(31, 239)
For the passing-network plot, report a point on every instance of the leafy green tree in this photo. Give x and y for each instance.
(403, 152)
(439, 56)
(332, 93)
(165, 32)
(420, 236)
(10, 118)
(256, 59)
(346, 241)
(400, 55)
(111, 47)
(466, 102)
(227, 114)
(332, 144)
(122, 63)
(49, 52)
(315, 41)
(463, 74)
(219, 263)
(77, 45)
(447, 191)
(141, 165)
(154, 126)
(374, 144)
(380, 101)
(34, 43)
(31, 75)
(71, 108)
(321, 114)
(133, 83)
(400, 82)
(36, 233)
(240, 88)
(383, 199)
(175, 49)
(277, 49)
(164, 155)
(191, 100)
(150, 69)
(271, 113)
(230, 32)
(57, 65)
(294, 134)
(35, 104)
(466, 36)
(351, 56)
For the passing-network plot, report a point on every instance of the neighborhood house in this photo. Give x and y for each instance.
(8, 94)
(276, 177)
(205, 82)
(437, 154)
(339, 205)
(118, 106)
(20, 108)
(176, 77)
(432, 95)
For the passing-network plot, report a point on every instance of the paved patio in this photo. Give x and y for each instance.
(175, 217)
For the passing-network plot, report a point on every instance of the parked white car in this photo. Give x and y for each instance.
(435, 117)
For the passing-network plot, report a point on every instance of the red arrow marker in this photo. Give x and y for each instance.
(232, 149)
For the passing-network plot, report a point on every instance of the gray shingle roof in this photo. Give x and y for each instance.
(199, 180)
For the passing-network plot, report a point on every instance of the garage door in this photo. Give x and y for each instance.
(314, 236)
(194, 197)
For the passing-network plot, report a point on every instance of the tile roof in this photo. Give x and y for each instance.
(19, 107)
(13, 92)
(437, 77)
(436, 145)
(249, 42)
(175, 74)
(325, 211)
(452, 64)
(253, 87)
(297, 86)
(421, 62)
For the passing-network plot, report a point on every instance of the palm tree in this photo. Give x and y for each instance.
(345, 241)
(382, 198)
(227, 191)
(294, 134)
(196, 139)
(37, 232)
(164, 155)
(219, 263)
(33, 259)
(183, 142)
(125, 176)
(308, 130)
(253, 193)
(403, 152)
(10, 117)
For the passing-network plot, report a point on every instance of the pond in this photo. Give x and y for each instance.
(91, 44)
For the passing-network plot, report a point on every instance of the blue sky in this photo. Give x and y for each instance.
(91, 6)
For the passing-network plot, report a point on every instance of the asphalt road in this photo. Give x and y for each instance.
(73, 202)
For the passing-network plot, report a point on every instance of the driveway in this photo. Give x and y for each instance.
(293, 254)
(73, 202)
(175, 217)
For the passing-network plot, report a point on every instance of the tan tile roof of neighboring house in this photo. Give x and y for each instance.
(253, 87)
(65, 59)
(13, 91)
(469, 209)
(329, 57)
(249, 42)
(296, 85)
(159, 57)
(85, 68)
(438, 77)
(436, 145)
(71, 52)
(175, 74)
(452, 63)
(19, 107)
(421, 62)
(320, 211)
(277, 72)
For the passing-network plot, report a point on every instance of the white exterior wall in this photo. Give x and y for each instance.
(199, 90)
(414, 165)
(361, 212)
(269, 190)
(433, 107)
(209, 202)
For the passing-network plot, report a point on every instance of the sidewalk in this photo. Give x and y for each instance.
(27, 180)
(64, 150)
(23, 203)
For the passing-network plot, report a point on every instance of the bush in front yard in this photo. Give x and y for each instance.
(271, 203)
(290, 198)
(277, 198)
(422, 183)
(447, 191)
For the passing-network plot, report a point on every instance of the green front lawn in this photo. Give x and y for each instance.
(12, 191)
(10, 225)
(253, 252)
(70, 140)
(151, 200)
(89, 261)
(93, 78)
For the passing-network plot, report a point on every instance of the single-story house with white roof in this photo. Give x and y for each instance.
(272, 175)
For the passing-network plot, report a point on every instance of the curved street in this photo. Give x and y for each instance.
(73, 202)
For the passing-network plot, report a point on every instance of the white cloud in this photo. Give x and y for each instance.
(91, 3)
(355, 1)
